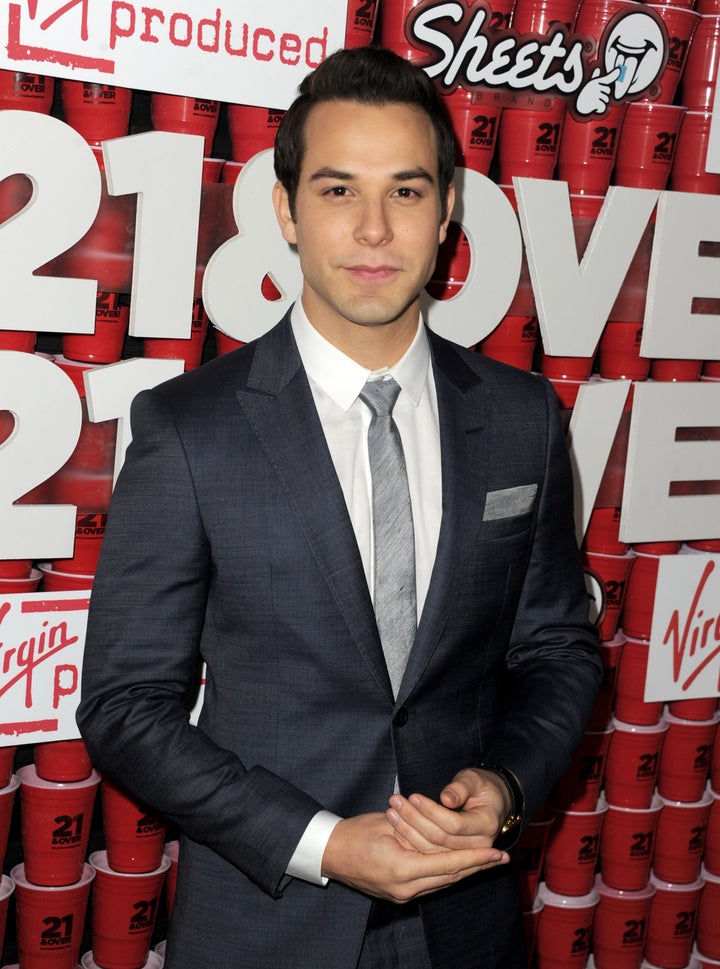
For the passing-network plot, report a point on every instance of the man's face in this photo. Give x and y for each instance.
(368, 213)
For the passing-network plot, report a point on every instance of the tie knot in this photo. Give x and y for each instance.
(380, 395)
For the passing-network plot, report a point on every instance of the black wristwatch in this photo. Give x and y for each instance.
(517, 802)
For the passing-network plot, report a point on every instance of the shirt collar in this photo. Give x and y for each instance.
(341, 378)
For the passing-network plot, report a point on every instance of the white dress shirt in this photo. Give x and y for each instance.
(336, 381)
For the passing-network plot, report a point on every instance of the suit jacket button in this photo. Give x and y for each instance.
(401, 717)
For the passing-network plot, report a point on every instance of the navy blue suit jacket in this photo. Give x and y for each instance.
(229, 539)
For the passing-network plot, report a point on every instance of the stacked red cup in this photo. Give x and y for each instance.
(53, 882)
(85, 481)
(129, 877)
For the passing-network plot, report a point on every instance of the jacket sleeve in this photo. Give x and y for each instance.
(553, 659)
(141, 663)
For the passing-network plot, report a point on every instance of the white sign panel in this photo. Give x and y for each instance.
(41, 648)
(684, 658)
(226, 52)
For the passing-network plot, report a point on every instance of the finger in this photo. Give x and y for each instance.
(439, 827)
(430, 819)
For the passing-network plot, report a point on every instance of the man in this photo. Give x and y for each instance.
(248, 528)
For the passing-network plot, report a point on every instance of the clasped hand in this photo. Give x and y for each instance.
(419, 845)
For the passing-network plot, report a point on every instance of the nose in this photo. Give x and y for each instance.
(373, 226)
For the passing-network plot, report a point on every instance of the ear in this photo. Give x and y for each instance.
(450, 203)
(281, 203)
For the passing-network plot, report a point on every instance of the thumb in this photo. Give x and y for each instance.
(614, 74)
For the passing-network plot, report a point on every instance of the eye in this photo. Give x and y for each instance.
(337, 191)
(407, 193)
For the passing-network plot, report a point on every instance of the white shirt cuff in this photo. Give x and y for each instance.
(306, 862)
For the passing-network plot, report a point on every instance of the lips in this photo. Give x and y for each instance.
(372, 273)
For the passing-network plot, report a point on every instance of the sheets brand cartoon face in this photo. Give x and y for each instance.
(637, 46)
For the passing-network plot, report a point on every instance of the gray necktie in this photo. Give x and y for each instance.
(394, 541)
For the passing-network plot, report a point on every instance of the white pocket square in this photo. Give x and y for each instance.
(509, 502)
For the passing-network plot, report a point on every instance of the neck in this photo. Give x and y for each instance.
(372, 347)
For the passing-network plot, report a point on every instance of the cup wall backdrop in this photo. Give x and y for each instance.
(621, 868)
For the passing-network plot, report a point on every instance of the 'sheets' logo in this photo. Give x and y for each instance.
(463, 50)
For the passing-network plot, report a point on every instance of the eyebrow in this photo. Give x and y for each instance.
(405, 176)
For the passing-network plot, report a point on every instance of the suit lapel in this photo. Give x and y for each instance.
(465, 414)
(279, 406)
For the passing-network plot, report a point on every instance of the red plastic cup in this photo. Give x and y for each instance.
(55, 826)
(512, 341)
(226, 344)
(539, 16)
(155, 960)
(476, 129)
(675, 370)
(629, 703)
(680, 839)
(640, 598)
(529, 140)
(708, 923)
(392, 27)
(703, 59)
(627, 843)
(594, 15)
(701, 961)
(564, 929)
(134, 835)
(579, 789)
(647, 145)
(618, 934)
(685, 758)
(189, 350)
(531, 919)
(63, 761)
(96, 111)
(106, 344)
(54, 581)
(688, 171)
(681, 24)
(252, 130)
(172, 851)
(26, 92)
(572, 850)
(715, 760)
(186, 116)
(566, 391)
(19, 340)
(7, 887)
(610, 653)
(360, 23)
(602, 534)
(7, 761)
(7, 799)
(612, 572)
(94, 452)
(656, 548)
(125, 909)
(89, 533)
(13, 568)
(105, 252)
(671, 925)
(565, 368)
(632, 763)
(587, 152)
(50, 920)
(712, 835)
(453, 262)
(28, 584)
(619, 352)
(700, 709)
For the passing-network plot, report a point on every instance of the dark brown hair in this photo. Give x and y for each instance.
(368, 75)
